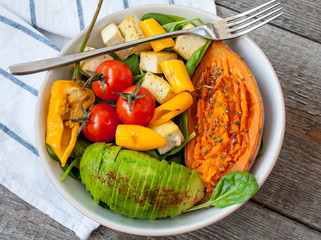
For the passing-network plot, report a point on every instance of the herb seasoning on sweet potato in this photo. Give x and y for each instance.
(227, 115)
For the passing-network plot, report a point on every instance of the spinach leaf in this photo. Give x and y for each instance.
(161, 18)
(174, 26)
(51, 153)
(195, 59)
(81, 144)
(233, 188)
(68, 170)
(183, 123)
(176, 18)
(152, 153)
(261, 150)
(132, 62)
(179, 148)
(138, 78)
(98, 100)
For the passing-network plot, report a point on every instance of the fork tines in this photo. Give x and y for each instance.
(248, 21)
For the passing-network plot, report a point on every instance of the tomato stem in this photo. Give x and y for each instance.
(131, 98)
(85, 40)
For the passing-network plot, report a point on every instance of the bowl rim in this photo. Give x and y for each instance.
(155, 232)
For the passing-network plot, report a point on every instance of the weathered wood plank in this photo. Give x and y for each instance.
(293, 188)
(19, 220)
(300, 17)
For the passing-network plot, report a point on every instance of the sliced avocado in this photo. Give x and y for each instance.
(194, 191)
(184, 178)
(150, 190)
(119, 165)
(104, 177)
(90, 164)
(175, 178)
(141, 201)
(131, 185)
(164, 171)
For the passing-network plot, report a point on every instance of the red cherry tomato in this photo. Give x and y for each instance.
(102, 124)
(117, 78)
(142, 110)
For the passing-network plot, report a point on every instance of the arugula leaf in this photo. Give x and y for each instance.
(196, 57)
(173, 26)
(233, 188)
(162, 18)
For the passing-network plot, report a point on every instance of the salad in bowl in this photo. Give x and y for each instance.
(159, 138)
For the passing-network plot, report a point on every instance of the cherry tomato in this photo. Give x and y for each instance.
(102, 124)
(141, 110)
(117, 78)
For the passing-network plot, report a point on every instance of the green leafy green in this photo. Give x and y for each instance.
(178, 148)
(152, 153)
(195, 59)
(80, 146)
(68, 170)
(183, 123)
(98, 100)
(233, 188)
(261, 150)
(138, 78)
(162, 18)
(174, 26)
(51, 153)
(132, 62)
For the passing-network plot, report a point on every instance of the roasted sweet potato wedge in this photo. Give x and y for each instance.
(227, 115)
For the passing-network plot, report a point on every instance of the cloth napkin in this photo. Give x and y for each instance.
(33, 30)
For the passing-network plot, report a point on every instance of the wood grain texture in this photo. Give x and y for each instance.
(293, 189)
(300, 17)
(288, 204)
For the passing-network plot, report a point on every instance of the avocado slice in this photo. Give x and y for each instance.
(164, 171)
(141, 201)
(119, 165)
(104, 178)
(90, 164)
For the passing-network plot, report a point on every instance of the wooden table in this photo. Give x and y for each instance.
(288, 206)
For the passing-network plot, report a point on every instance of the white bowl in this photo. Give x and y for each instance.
(74, 191)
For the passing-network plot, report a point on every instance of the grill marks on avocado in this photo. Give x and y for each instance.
(135, 184)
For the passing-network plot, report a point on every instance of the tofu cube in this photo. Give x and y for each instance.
(149, 61)
(112, 36)
(158, 87)
(172, 134)
(91, 64)
(130, 29)
(186, 45)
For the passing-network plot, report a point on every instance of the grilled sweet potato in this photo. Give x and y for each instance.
(227, 115)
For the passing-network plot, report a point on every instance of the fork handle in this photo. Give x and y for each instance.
(42, 65)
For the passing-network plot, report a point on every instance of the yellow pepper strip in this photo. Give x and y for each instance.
(151, 28)
(174, 106)
(65, 101)
(136, 137)
(176, 74)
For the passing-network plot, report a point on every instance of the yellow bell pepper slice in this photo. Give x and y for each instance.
(65, 101)
(170, 109)
(136, 137)
(176, 74)
(151, 28)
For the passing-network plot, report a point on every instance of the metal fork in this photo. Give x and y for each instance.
(227, 28)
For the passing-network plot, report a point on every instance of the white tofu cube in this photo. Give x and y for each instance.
(112, 36)
(91, 64)
(158, 87)
(130, 29)
(186, 45)
(171, 133)
(149, 61)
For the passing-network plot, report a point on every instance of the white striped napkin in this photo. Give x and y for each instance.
(33, 30)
